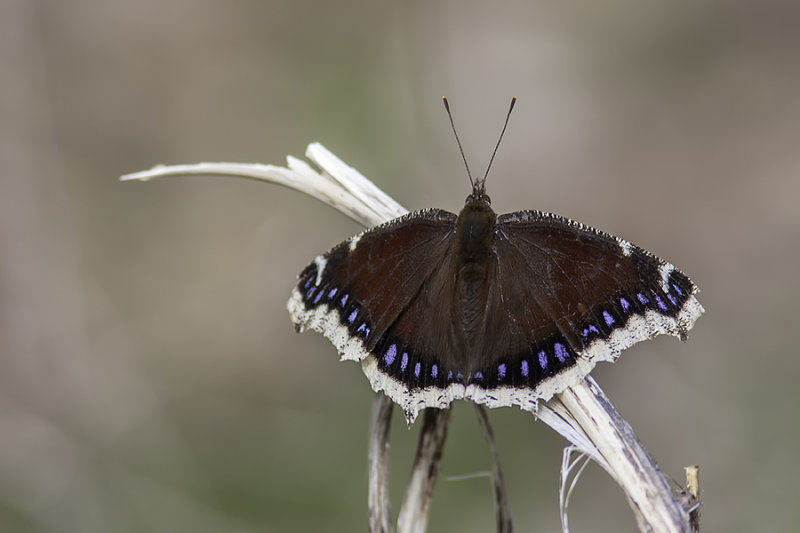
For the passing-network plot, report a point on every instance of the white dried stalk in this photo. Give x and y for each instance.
(413, 515)
(338, 185)
(378, 458)
(692, 503)
(570, 468)
(502, 509)
(654, 505)
(582, 413)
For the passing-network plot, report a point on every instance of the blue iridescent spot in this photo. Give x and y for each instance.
(672, 299)
(608, 318)
(501, 371)
(524, 368)
(459, 377)
(543, 359)
(332, 293)
(319, 297)
(404, 362)
(626, 305)
(417, 368)
(390, 355)
(561, 352)
(642, 298)
(343, 301)
(353, 315)
(310, 293)
(478, 375)
(308, 282)
(434, 370)
(591, 329)
(366, 333)
(661, 304)
(677, 289)
(449, 375)
(363, 328)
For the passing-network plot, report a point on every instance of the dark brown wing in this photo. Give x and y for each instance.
(366, 283)
(567, 295)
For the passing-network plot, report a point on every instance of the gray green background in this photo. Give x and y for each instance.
(150, 380)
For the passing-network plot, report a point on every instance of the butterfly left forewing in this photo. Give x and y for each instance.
(346, 294)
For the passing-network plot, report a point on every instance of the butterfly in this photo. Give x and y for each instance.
(500, 310)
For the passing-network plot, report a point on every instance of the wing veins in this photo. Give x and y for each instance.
(567, 334)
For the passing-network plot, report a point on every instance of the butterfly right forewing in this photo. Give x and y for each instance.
(603, 293)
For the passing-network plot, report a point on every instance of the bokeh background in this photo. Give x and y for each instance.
(150, 380)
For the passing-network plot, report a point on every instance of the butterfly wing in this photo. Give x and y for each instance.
(360, 294)
(567, 296)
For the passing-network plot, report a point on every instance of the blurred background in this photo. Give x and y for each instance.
(150, 380)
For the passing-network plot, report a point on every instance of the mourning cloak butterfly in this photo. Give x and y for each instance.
(500, 310)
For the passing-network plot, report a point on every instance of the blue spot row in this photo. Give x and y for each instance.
(615, 314)
(352, 316)
(419, 372)
(314, 294)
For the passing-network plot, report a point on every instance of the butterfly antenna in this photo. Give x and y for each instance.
(458, 141)
(508, 115)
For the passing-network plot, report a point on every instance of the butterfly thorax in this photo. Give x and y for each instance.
(473, 266)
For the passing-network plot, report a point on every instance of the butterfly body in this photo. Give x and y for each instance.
(472, 269)
(500, 310)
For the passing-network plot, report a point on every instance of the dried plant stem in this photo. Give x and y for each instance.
(570, 467)
(501, 507)
(413, 516)
(378, 457)
(693, 487)
(648, 492)
(581, 413)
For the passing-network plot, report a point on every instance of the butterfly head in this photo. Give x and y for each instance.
(478, 196)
